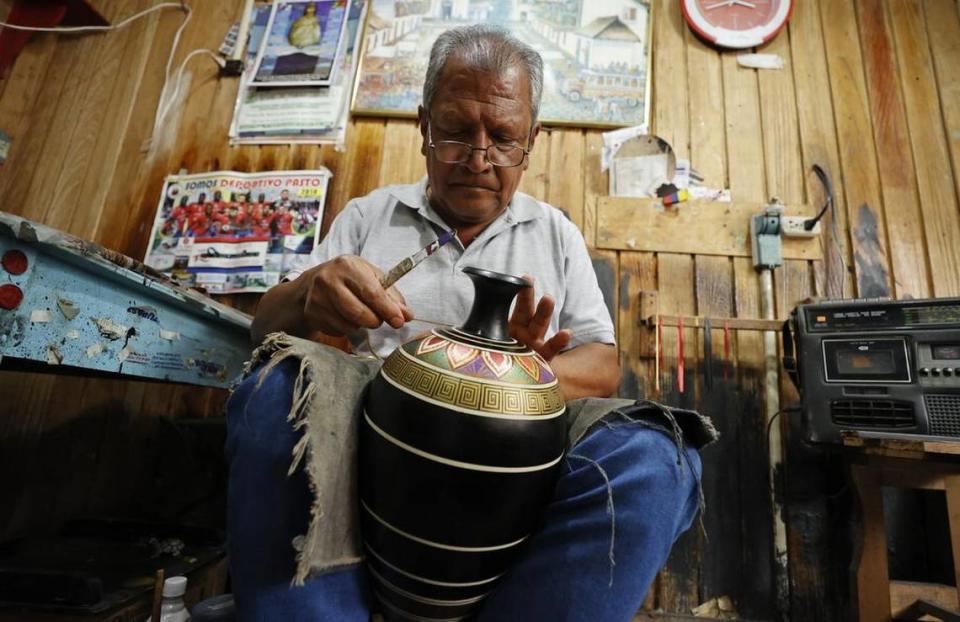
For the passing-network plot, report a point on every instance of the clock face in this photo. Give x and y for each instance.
(737, 23)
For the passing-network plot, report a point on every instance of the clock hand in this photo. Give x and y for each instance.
(720, 4)
(749, 5)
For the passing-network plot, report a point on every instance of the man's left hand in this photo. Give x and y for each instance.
(530, 320)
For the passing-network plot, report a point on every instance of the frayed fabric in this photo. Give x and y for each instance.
(683, 427)
(327, 396)
(611, 509)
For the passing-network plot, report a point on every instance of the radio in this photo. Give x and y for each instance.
(887, 368)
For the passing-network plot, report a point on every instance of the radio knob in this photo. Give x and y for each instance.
(947, 371)
(935, 371)
(924, 371)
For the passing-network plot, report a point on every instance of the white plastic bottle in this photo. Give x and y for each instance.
(173, 609)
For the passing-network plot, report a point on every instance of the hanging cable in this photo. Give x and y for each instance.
(163, 104)
(167, 100)
(809, 224)
(824, 178)
(117, 26)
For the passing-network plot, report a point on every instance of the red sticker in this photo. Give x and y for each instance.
(14, 262)
(10, 296)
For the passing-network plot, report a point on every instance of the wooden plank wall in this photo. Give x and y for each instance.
(870, 91)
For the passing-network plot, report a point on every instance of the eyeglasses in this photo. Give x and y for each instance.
(456, 152)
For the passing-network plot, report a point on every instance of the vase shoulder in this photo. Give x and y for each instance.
(481, 359)
(467, 376)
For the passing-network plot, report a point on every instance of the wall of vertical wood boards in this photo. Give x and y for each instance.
(870, 91)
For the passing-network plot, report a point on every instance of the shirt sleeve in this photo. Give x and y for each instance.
(584, 311)
(343, 238)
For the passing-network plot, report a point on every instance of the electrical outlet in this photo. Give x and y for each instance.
(792, 227)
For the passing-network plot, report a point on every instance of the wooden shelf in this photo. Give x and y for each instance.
(693, 227)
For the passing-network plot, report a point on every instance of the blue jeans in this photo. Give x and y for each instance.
(624, 497)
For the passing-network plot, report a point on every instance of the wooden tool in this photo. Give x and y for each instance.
(680, 363)
(157, 596)
(708, 354)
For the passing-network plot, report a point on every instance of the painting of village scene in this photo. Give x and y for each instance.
(596, 54)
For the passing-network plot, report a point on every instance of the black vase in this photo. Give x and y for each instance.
(460, 446)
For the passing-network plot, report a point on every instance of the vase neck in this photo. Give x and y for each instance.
(493, 294)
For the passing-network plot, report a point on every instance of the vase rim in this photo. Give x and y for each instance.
(511, 346)
(497, 276)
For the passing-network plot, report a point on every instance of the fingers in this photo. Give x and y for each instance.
(355, 302)
(336, 326)
(373, 298)
(540, 321)
(530, 322)
(555, 344)
(398, 297)
(345, 294)
(524, 309)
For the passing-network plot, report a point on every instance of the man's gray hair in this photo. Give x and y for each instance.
(491, 49)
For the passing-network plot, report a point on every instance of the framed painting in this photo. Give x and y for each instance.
(596, 54)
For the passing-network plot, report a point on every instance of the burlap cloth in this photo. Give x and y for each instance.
(327, 404)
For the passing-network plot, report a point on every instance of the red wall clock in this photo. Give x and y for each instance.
(737, 23)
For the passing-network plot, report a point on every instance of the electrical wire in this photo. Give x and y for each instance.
(783, 480)
(187, 14)
(835, 285)
(168, 97)
(777, 414)
(824, 178)
(117, 26)
(166, 101)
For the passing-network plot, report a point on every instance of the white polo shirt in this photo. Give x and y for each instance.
(530, 237)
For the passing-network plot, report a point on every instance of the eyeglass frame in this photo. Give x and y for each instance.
(486, 150)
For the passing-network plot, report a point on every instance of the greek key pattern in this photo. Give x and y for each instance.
(470, 394)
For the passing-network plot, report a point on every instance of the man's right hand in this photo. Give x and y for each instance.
(337, 298)
(344, 294)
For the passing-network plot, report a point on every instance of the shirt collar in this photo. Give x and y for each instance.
(522, 207)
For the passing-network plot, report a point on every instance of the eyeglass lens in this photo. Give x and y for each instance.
(453, 152)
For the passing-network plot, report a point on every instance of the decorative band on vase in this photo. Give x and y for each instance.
(476, 360)
(431, 571)
(399, 614)
(452, 590)
(440, 545)
(455, 334)
(470, 395)
(436, 602)
(456, 463)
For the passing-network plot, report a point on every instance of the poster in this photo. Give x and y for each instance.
(229, 232)
(297, 114)
(302, 43)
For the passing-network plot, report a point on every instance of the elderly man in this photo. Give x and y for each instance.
(478, 124)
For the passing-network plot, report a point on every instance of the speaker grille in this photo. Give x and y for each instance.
(944, 414)
(864, 413)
